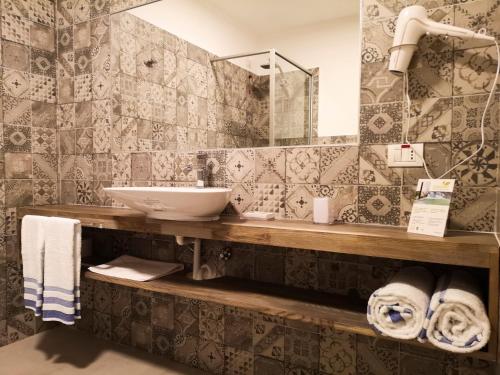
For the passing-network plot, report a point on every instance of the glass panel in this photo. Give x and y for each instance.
(292, 105)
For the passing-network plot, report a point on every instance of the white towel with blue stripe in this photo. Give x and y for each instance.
(32, 251)
(398, 309)
(61, 287)
(456, 320)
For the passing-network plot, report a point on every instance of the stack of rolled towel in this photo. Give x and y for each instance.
(451, 316)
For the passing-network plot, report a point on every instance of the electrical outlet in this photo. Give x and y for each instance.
(404, 155)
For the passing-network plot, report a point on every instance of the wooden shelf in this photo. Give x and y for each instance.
(479, 250)
(308, 306)
(311, 306)
(458, 248)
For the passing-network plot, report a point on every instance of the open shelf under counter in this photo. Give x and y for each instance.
(340, 312)
(343, 313)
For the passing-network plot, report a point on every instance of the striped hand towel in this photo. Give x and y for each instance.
(32, 251)
(456, 319)
(398, 309)
(61, 290)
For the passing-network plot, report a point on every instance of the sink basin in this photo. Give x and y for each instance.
(174, 203)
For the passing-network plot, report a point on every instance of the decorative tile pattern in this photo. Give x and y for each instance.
(381, 123)
(270, 198)
(481, 170)
(211, 356)
(379, 205)
(344, 201)
(301, 351)
(238, 362)
(467, 115)
(431, 75)
(301, 269)
(242, 197)
(438, 159)
(270, 165)
(474, 71)
(163, 166)
(240, 165)
(339, 165)
(16, 111)
(43, 89)
(299, 201)
(16, 83)
(16, 56)
(376, 356)
(44, 166)
(141, 166)
(211, 322)
(337, 352)
(378, 85)
(373, 168)
(473, 209)
(430, 120)
(302, 165)
(238, 328)
(17, 138)
(475, 16)
(269, 337)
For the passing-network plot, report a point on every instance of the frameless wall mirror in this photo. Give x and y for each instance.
(202, 74)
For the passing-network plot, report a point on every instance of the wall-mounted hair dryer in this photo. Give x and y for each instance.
(412, 24)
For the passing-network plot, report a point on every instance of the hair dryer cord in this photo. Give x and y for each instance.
(483, 119)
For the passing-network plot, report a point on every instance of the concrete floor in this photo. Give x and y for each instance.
(68, 351)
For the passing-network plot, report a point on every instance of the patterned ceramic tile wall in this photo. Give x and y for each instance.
(28, 152)
(104, 137)
(449, 82)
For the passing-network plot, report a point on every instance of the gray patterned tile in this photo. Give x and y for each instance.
(379, 205)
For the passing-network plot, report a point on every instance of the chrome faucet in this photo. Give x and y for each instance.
(201, 169)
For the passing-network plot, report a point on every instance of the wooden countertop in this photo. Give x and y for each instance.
(457, 248)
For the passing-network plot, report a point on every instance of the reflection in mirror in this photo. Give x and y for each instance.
(198, 74)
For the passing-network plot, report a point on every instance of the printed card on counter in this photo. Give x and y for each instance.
(431, 207)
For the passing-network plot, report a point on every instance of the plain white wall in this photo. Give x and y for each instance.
(333, 46)
(199, 24)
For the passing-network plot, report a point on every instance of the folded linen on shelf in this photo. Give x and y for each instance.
(137, 269)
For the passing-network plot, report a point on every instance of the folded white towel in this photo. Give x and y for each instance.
(32, 251)
(61, 289)
(132, 268)
(398, 309)
(457, 319)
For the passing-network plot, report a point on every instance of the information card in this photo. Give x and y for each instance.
(431, 207)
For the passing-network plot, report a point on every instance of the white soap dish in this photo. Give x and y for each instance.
(256, 215)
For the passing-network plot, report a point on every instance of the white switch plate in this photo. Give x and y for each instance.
(405, 156)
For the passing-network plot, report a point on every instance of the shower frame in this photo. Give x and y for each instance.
(272, 86)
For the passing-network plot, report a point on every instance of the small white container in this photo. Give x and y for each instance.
(322, 211)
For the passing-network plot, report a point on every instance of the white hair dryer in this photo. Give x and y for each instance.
(412, 24)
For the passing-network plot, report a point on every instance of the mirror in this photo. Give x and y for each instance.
(202, 74)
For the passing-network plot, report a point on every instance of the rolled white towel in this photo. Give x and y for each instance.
(398, 309)
(456, 320)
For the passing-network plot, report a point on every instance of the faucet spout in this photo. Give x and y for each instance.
(201, 169)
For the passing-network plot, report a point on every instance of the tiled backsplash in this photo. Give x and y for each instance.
(126, 146)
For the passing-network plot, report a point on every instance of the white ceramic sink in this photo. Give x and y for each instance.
(174, 203)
